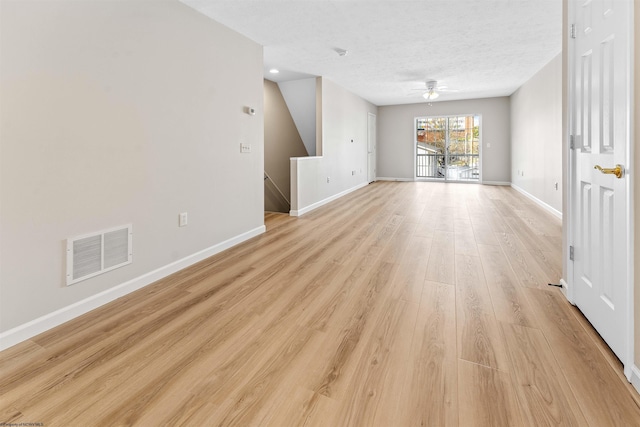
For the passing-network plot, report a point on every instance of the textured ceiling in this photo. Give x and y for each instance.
(481, 48)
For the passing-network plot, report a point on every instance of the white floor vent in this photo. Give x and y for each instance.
(93, 254)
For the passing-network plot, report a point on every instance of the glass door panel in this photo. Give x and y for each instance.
(462, 152)
(447, 148)
(430, 147)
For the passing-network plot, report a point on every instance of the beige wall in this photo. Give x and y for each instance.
(342, 129)
(117, 112)
(281, 141)
(536, 135)
(396, 137)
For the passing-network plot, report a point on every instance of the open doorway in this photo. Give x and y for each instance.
(371, 147)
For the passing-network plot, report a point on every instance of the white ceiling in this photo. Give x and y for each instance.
(482, 48)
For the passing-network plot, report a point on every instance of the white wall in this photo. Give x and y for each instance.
(536, 135)
(114, 113)
(396, 137)
(300, 96)
(344, 151)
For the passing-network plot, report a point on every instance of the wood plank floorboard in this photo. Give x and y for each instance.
(479, 339)
(509, 302)
(400, 304)
(431, 388)
(486, 397)
(528, 271)
(441, 265)
(544, 394)
(585, 368)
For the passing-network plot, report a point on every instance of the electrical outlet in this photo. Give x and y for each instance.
(245, 148)
(353, 172)
(556, 185)
(328, 179)
(182, 219)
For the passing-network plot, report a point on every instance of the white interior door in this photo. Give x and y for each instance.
(371, 147)
(600, 123)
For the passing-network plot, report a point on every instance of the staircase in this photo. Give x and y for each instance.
(274, 198)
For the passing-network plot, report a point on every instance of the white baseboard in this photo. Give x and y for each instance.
(565, 290)
(542, 204)
(385, 178)
(37, 326)
(635, 377)
(496, 183)
(316, 205)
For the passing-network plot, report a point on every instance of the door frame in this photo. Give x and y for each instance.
(371, 177)
(571, 187)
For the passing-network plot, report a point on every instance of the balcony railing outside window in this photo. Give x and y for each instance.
(463, 167)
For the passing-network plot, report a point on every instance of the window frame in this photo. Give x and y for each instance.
(447, 117)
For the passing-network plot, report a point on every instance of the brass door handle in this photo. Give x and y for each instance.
(618, 171)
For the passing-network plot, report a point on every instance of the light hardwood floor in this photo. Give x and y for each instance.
(402, 304)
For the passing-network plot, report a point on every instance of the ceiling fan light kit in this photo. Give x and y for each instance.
(432, 87)
(341, 52)
(431, 94)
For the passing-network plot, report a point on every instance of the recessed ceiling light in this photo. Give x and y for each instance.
(274, 71)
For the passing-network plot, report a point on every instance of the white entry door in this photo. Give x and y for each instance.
(600, 122)
(371, 147)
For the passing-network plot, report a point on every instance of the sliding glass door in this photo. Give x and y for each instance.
(447, 148)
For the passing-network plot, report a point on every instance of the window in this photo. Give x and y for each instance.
(447, 147)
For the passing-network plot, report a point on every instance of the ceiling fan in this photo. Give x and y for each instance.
(433, 90)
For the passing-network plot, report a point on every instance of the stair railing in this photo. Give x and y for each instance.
(267, 177)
